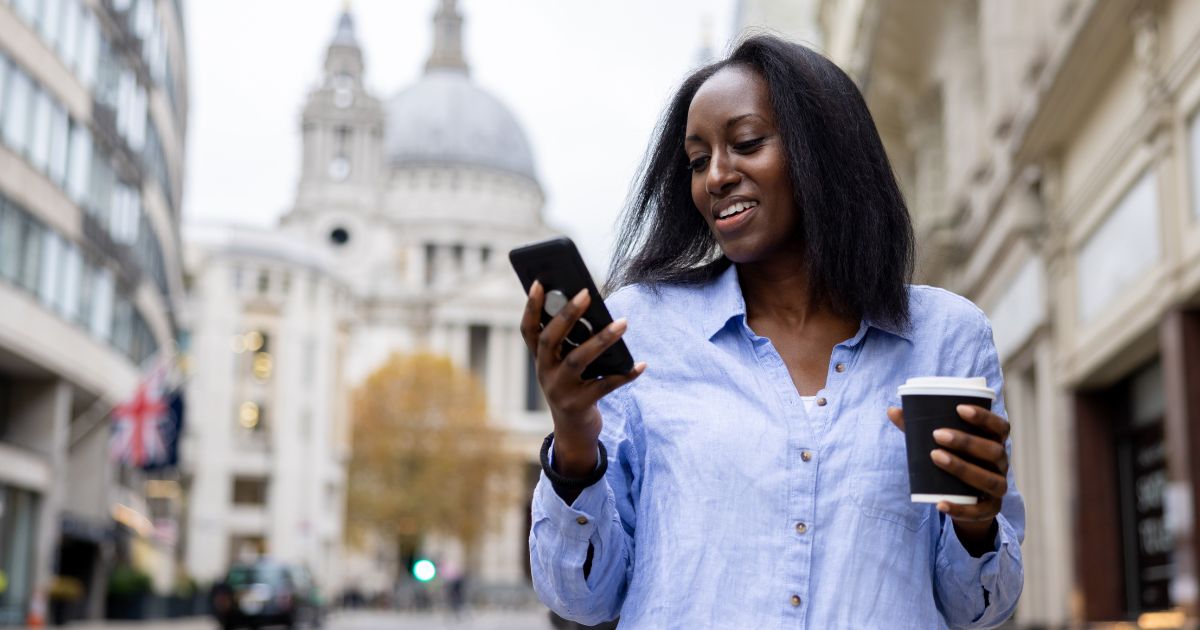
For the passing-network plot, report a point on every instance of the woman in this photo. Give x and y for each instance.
(750, 478)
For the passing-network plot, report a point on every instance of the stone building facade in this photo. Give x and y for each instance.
(1050, 153)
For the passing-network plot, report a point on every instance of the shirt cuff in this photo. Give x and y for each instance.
(578, 520)
(967, 574)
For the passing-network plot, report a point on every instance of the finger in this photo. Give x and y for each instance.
(604, 386)
(993, 484)
(552, 335)
(979, 512)
(532, 317)
(985, 419)
(896, 415)
(579, 358)
(982, 449)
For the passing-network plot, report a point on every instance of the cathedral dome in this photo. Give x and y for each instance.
(444, 118)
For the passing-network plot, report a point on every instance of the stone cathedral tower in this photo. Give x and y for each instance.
(416, 202)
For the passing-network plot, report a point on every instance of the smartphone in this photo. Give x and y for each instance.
(556, 264)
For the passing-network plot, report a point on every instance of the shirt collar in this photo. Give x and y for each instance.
(724, 301)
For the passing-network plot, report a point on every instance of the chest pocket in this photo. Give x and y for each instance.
(880, 476)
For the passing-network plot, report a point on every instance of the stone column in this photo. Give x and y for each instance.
(1179, 335)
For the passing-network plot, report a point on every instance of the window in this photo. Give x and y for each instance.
(10, 240)
(122, 333)
(31, 237)
(89, 48)
(68, 41)
(39, 141)
(51, 21)
(16, 111)
(249, 491)
(477, 346)
(27, 10)
(101, 315)
(264, 281)
(51, 257)
(60, 130)
(69, 300)
(5, 71)
(79, 162)
(1124, 247)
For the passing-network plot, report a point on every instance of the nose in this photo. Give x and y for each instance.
(722, 176)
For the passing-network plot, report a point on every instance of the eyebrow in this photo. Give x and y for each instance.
(732, 121)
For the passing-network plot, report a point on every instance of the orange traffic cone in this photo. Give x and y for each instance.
(37, 611)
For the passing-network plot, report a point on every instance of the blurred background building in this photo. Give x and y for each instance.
(265, 458)
(1050, 153)
(93, 107)
(403, 217)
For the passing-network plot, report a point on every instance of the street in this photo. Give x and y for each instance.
(529, 619)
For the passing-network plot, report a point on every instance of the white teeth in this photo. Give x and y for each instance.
(736, 208)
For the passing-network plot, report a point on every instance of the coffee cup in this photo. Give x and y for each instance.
(930, 403)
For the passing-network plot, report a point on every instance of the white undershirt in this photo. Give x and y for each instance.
(810, 403)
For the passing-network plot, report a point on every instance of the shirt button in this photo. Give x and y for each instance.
(582, 520)
(841, 367)
(801, 528)
(795, 600)
(806, 456)
(821, 402)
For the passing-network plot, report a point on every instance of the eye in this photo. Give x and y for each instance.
(748, 145)
(698, 164)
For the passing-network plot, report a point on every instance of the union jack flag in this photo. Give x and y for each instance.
(145, 428)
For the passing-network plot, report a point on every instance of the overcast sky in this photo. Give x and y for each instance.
(587, 80)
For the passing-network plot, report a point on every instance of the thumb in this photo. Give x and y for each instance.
(896, 415)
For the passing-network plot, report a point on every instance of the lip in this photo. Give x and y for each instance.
(735, 222)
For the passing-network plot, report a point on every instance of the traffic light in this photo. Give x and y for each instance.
(424, 570)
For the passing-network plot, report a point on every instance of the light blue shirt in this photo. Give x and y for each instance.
(727, 505)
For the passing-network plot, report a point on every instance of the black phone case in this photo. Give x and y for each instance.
(557, 265)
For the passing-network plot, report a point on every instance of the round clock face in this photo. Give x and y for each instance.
(339, 236)
(339, 168)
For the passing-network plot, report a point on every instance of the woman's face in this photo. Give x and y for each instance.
(740, 181)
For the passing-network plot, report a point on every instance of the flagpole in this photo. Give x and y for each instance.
(96, 413)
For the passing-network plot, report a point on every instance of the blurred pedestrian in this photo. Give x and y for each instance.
(750, 477)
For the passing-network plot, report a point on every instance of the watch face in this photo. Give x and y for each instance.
(339, 168)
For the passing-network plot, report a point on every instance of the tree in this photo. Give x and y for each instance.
(425, 459)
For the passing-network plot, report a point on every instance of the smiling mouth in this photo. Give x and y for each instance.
(736, 209)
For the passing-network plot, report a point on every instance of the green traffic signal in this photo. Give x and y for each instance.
(424, 570)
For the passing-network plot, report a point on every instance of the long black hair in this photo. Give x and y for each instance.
(855, 228)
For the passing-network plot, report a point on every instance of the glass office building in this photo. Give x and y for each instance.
(93, 112)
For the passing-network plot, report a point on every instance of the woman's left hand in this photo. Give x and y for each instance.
(974, 524)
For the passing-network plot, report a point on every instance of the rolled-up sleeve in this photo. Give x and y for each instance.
(602, 517)
(983, 592)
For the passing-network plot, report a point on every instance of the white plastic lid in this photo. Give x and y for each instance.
(947, 386)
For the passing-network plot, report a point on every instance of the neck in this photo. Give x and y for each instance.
(779, 290)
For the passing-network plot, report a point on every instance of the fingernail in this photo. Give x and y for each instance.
(534, 287)
(943, 507)
(943, 436)
(940, 457)
(640, 367)
(578, 299)
(619, 325)
(966, 411)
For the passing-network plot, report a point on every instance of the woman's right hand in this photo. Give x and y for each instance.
(572, 399)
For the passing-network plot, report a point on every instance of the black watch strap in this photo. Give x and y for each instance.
(572, 483)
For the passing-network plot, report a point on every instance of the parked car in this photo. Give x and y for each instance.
(266, 593)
